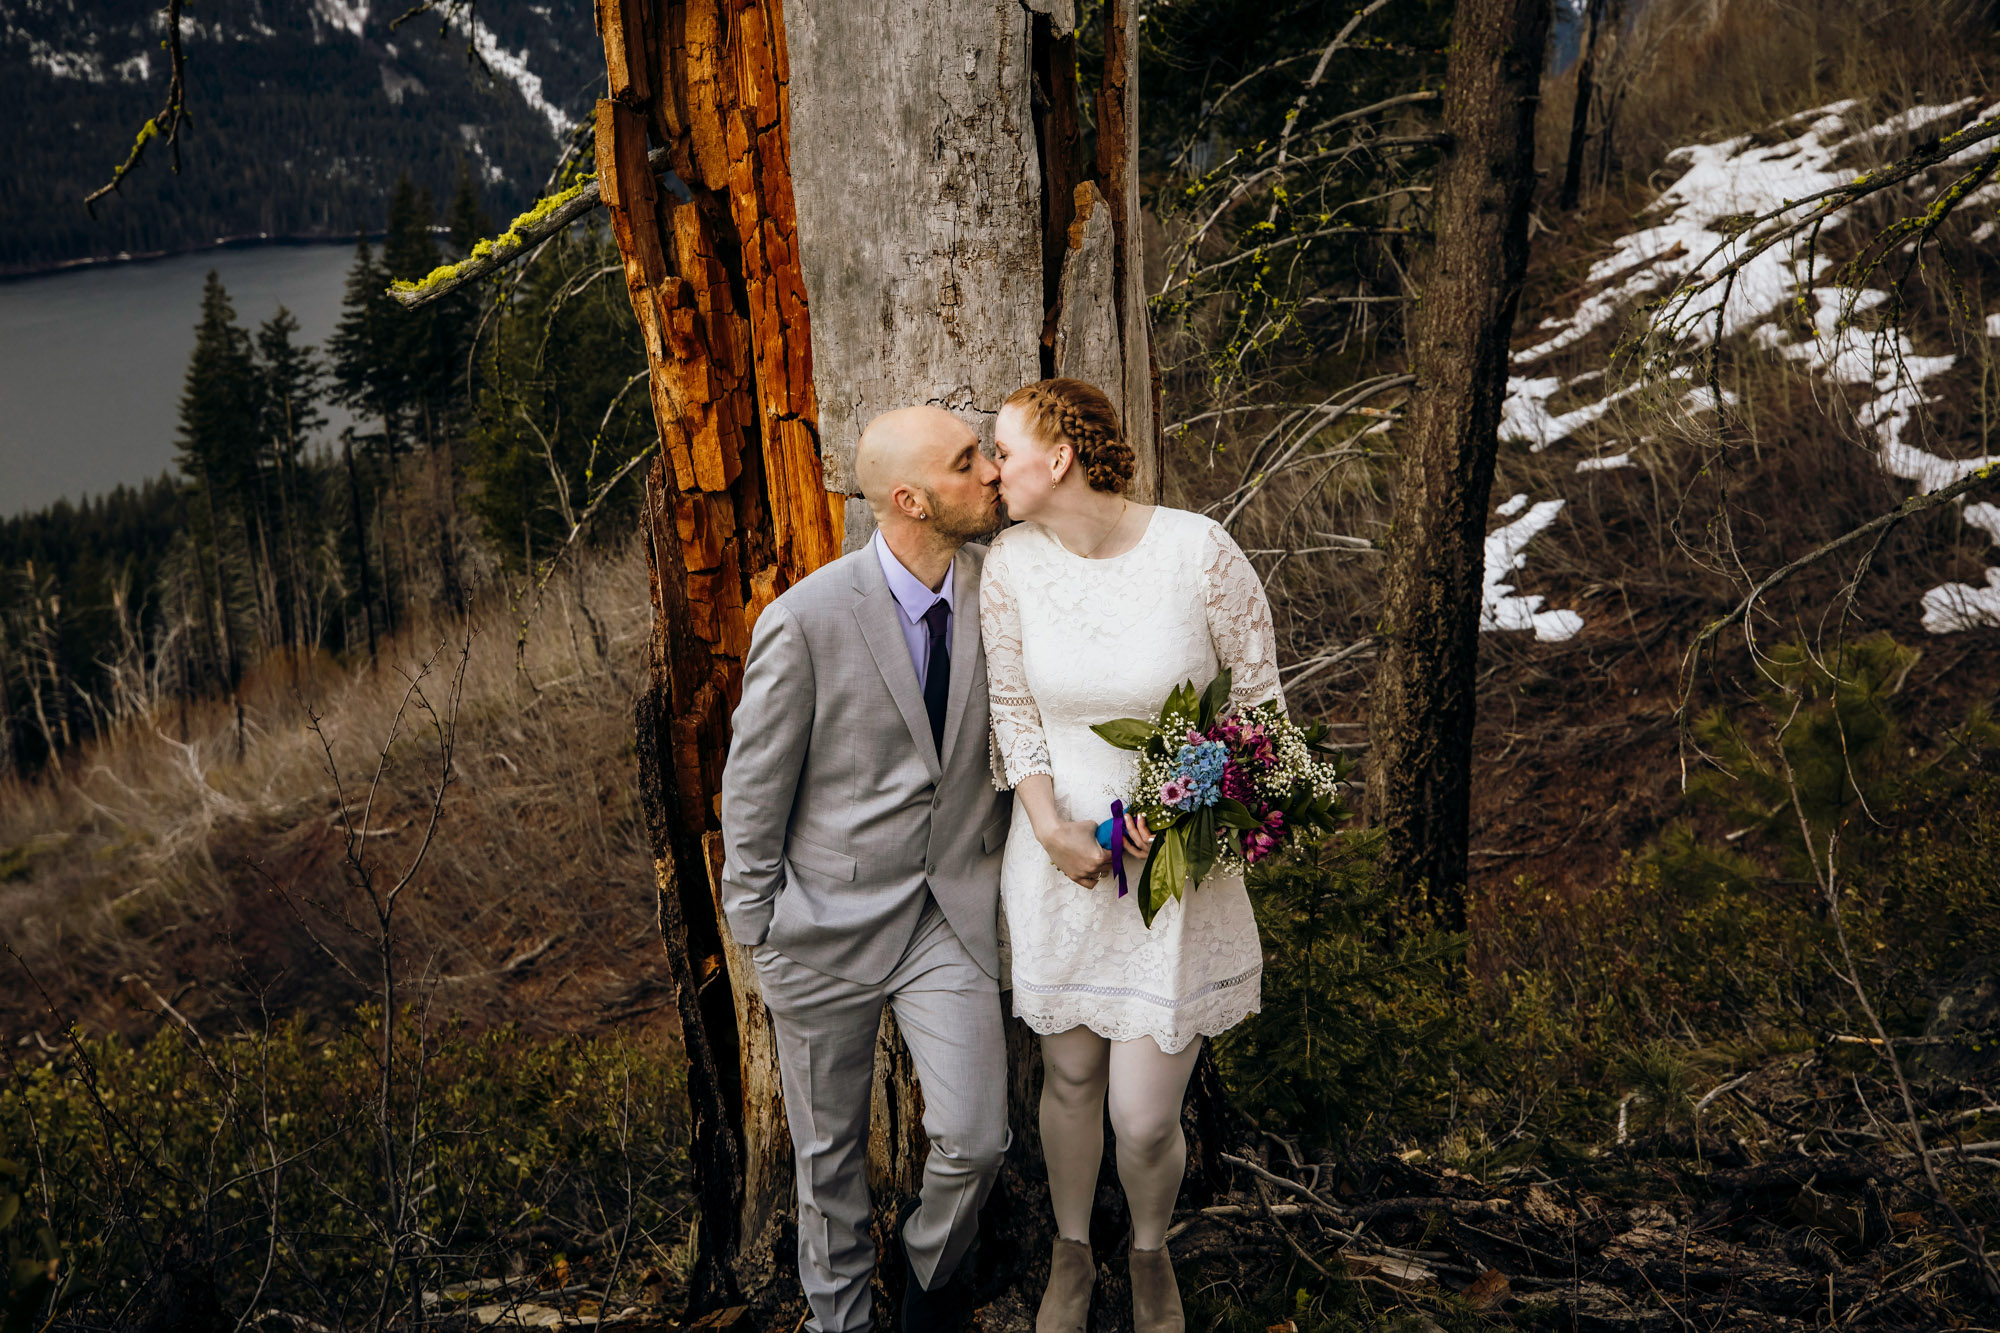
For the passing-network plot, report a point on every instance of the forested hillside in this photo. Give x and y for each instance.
(302, 115)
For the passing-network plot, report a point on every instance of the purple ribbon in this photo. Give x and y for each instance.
(1118, 843)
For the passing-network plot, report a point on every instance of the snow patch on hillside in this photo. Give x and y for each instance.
(1500, 608)
(1696, 227)
(513, 67)
(83, 66)
(350, 16)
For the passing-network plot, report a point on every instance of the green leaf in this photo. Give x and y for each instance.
(1235, 814)
(1127, 733)
(1214, 697)
(10, 1206)
(1202, 850)
(1145, 880)
(1165, 872)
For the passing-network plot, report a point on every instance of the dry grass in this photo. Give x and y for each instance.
(159, 865)
(1692, 70)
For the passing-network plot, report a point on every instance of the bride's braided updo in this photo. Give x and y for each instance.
(1071, 412)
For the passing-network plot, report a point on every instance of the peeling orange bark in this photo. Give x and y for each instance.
(736, 512)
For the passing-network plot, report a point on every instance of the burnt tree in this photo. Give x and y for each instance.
(911, 173)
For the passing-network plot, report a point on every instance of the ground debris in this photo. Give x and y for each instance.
(1801, 1240)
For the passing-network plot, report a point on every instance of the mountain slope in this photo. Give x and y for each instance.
(302, 116)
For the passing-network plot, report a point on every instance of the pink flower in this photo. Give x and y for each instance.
(1236, 784)
(1260, 843)
(1173, 791)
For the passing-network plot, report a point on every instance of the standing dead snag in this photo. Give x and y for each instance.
(1422, 710)
(894, 171)
(735, 513)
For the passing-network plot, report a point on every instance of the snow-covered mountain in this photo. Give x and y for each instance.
(303, 113)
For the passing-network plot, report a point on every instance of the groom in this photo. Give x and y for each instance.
(862, 837)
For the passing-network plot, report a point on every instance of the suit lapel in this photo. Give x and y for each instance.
(882, 630)
(964, 647)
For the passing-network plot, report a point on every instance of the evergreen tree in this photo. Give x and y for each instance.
(364, 371)
(468, 220)
(429, 343)
(560, 413)
(219, 400)
(290, 378)
(218, 451)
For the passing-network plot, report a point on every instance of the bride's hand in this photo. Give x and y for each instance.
(1072, 845)
(1138, 838)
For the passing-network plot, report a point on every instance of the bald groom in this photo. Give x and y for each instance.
(862, 837)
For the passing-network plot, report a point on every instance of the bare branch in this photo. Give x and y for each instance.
(1916, 504)
(1319, 72)
(166, 122)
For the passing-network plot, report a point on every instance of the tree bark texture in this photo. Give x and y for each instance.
(889, 166)
(1470, 285)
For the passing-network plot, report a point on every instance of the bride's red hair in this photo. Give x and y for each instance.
(1061, 411)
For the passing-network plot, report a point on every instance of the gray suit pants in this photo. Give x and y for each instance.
(948, 1010)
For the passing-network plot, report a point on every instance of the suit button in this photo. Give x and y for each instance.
(937, 801)
(930, 870)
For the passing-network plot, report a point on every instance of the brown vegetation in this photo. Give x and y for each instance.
(157, 869)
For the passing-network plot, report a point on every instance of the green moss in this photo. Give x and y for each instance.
(500, 248)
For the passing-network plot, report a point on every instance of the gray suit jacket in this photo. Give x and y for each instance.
(837, 812)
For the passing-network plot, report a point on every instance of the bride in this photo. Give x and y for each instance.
(1093, 608)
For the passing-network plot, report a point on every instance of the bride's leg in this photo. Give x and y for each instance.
(1147, 1089)
(1075, 1065)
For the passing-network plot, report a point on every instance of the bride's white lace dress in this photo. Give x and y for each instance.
(1071, 642)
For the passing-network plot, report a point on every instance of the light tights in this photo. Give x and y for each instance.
(1144, 1088)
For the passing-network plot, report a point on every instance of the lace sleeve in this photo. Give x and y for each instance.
(1018, 747)
(1239, 621)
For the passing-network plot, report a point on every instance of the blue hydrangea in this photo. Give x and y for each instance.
(1201, 765)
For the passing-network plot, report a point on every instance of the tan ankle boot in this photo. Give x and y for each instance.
(1156, 1297)
(1066, 1303)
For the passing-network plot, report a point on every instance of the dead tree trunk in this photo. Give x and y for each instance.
(1423, 706)
(1579, 118)
(887, 166)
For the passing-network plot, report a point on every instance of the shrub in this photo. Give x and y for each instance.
(255, 1162)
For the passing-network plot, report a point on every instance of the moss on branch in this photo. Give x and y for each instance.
(523, 234)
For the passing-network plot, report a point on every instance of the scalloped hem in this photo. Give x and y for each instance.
(1170, 1040)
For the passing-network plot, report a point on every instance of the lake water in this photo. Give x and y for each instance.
(92, 360)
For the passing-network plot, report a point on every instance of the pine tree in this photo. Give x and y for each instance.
(427, 344)
(366, 379)
(468, 221)
(219, 427)
(290, 380)
(218, 449)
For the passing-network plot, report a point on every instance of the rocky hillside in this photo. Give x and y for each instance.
(302, 116)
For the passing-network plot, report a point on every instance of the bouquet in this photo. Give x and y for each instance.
(1220, 788)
